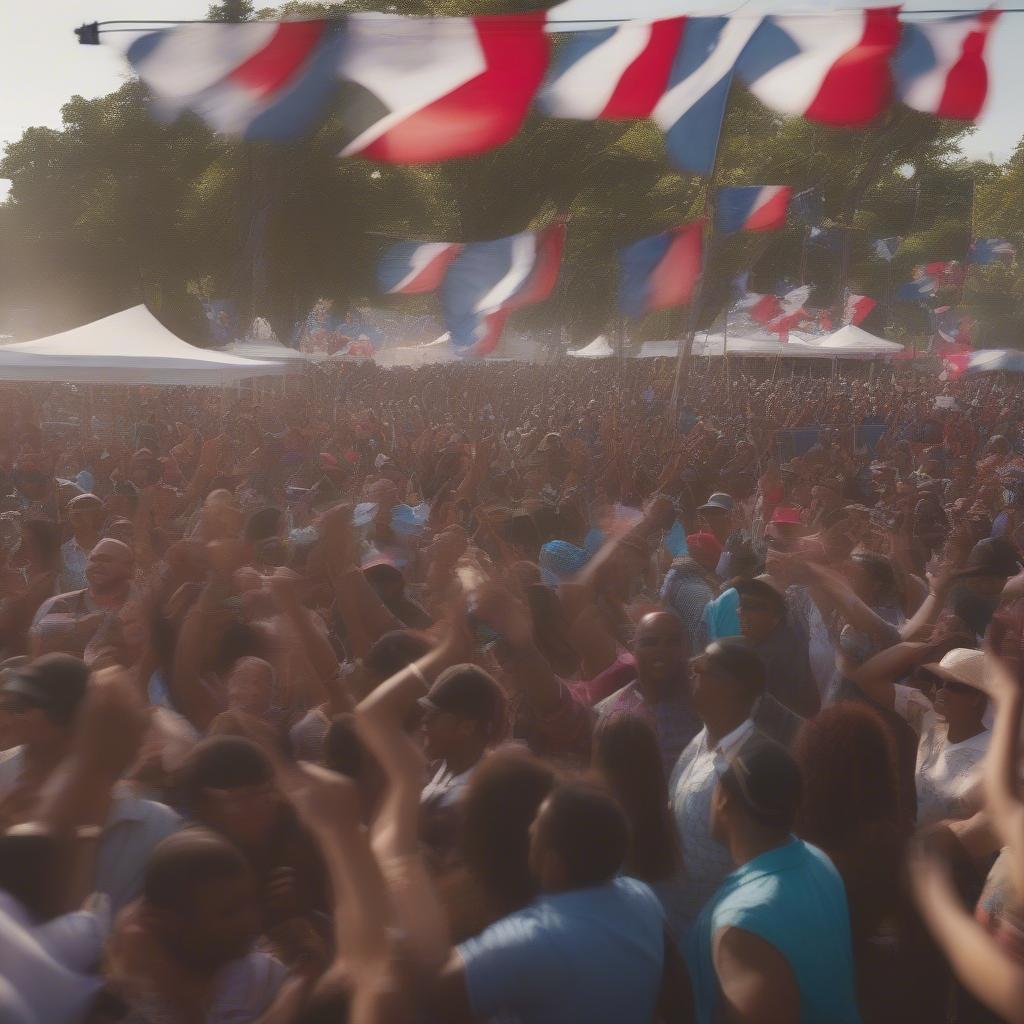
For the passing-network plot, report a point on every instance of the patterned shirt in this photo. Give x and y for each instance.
(706, 860)
(687, 591)
(674, 721)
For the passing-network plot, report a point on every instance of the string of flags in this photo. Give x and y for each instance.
(418, 90)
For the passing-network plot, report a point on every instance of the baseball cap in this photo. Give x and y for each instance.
(762, 592)
(786, 515)
(55, 683)
(465, 691)
(719, 501)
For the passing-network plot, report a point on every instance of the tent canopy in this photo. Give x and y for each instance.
(857, 340)
(131, 347)
(597, 349)
(269, 349)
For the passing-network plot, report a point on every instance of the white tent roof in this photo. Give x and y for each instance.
(252, 349)
(597, 349)
(658, 349)
(131, 347)
(857, 340)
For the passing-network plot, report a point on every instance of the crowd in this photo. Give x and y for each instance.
(496, 693)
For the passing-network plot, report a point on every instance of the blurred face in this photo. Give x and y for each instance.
(707, 685)
(218, 924)
(956, 702)
(109, 566)
(658, 649)
(86, 514)
(247, 815)
(718, 522)
(250, 686)
(25, 723)
(442, 733)
(758, 619)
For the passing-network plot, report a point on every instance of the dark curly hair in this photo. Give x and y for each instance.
(850, 779)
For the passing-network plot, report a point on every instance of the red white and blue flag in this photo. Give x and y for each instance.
(676, 71)
(406, 90)
(661, 271)
(832, 68)
(255, 80)
(940, 65)
(857, 308)
(985, 251)
(488, 280)
(612, 73)
(413, 268)
(416, 90)
(752, 208)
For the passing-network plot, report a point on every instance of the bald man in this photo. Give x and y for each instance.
(661, 691)
(67, 622)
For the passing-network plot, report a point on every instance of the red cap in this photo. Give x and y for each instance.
(704, 549)
(326, 459)
(787, 515)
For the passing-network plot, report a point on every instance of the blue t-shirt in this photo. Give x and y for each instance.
(590, 956)
(722, 615)
(793, 898)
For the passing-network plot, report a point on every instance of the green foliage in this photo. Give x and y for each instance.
(115, 208)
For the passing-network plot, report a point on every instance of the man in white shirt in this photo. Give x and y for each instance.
(85, 513)
(727, 682)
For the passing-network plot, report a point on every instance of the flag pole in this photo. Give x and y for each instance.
(682, 375)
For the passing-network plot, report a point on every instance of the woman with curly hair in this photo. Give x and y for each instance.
(852, 810)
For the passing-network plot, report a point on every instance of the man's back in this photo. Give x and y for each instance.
(792, 898)
(587, 956)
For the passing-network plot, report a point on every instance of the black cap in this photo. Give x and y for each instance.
(993, 556)
(56, 683)
(465, 691)
(759, 590)
(768, 780)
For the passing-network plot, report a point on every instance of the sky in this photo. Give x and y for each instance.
(42, 65)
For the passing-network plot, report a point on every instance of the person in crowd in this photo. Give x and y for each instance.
(691, 583)
(626, 760)
(590, 924)
(67, 622)
(86, 515)
(660, 694)
(774, 940)
(44, 700)
(764, 623)
(951, 730)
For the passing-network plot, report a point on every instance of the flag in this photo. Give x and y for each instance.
(691, 110)
(940, 65)
(612, 73)
(488, 280)
(857, 308)
(832, 69)
(752, 208)
(221, 315)
(412, 268)
(677, 71)
(406, 90)
(416, 90)
(917, 290)
(886, 248)
(992, 250)
(953, 325)
(828, 239)
(254, 80)
(661, 271)
(807, 206)
(764, 309)
(946, 274)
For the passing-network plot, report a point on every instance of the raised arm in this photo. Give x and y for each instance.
(877, 676)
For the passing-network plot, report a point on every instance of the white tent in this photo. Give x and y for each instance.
(131, 347)
(252, 349)
(859, 342)
(658, 350)
(597, 349)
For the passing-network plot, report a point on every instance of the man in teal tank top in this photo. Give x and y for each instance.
(773, 943)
